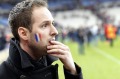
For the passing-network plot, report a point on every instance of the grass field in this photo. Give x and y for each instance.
(98, 62)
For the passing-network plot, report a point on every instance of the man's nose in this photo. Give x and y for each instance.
(54, 31)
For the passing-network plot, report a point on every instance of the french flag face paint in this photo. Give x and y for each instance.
(37, 37)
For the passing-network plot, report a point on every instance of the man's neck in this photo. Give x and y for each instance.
(24, 47)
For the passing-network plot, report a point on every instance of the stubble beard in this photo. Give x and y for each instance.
(38, 50)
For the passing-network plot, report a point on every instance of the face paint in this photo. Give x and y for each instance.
(40, 37)
(37, 37)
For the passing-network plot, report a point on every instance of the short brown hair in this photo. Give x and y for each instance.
(21, 15)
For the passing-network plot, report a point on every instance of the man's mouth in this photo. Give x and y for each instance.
(53, 39)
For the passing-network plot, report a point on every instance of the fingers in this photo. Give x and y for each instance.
(56, 43)
(57, 49)
(57, 55)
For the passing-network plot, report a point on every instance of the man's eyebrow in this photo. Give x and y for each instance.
(48, 21)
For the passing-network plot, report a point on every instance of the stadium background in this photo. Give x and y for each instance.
(92, 50)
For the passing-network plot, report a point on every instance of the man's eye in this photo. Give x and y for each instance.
(53, 23)
(45, 25)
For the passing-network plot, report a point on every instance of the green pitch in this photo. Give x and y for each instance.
(98, 62)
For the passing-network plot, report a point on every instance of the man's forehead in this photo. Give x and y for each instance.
(42, 13)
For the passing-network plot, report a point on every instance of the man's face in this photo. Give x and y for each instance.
(42, 25)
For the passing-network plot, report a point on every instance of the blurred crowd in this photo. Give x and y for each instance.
(90, 35)
(103, 25)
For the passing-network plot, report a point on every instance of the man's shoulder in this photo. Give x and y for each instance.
(5, 71)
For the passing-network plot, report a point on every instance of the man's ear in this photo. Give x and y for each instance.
(23, 33)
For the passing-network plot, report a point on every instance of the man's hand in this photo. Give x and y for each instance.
(62, 51)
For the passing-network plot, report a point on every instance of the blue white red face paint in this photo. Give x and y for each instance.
(37, 37)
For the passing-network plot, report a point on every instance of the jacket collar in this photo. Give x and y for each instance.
(20, 58)
(17, 55)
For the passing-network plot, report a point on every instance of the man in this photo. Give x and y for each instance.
(33, 48)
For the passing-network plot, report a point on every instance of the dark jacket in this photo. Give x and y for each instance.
(20, 65)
